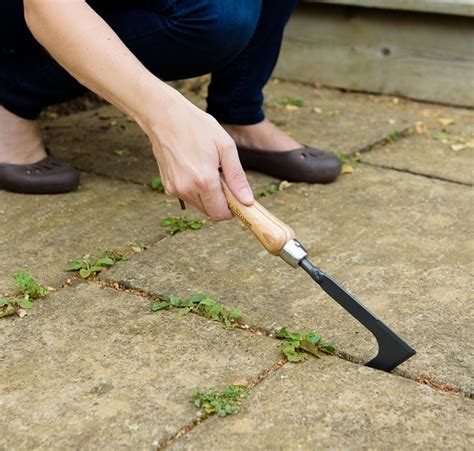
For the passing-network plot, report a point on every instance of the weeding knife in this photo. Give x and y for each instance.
(279, 239)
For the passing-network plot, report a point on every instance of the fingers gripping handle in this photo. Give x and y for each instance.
(268, 229)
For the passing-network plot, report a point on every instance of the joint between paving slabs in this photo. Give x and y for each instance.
(423, 379)
(197, 421)
(419, 174)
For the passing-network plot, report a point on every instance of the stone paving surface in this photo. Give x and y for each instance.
(397, 241)
(103, 365)
(329, 404)
(91, 367)
(41, 234)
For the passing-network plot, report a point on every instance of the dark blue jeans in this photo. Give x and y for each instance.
(238, 41)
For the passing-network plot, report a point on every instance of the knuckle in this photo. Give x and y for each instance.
(236, 175)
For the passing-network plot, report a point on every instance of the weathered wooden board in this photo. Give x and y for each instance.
(422, 56)
(457, 7)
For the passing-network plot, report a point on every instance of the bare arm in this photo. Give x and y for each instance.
(83, 43)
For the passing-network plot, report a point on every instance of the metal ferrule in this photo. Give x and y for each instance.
(293, 252)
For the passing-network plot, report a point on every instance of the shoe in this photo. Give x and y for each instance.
(306, 164)
(48, 176)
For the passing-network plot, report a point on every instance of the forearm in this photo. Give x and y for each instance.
(83, 43)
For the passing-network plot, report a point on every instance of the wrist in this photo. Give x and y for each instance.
(155, 99)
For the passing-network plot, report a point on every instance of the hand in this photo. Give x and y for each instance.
(189, 146)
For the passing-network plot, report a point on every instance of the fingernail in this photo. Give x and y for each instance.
(246, 195)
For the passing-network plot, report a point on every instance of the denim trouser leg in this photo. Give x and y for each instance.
(235, 93)
(174, 39)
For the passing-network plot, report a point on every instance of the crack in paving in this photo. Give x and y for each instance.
(419, 174)
(197, 421)
(384, 141)
(422, 379)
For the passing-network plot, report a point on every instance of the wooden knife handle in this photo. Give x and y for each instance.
(269, 230)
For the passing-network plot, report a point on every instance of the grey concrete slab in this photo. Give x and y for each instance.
(40, 234)
(91, 368)
(104, 141)
(336, 121)
(401, 243)
(423, 154)
(331, 404)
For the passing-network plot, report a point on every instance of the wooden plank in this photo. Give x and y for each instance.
(427, 57)
(456, 7)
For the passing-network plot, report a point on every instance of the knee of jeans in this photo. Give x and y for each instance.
(227, 26)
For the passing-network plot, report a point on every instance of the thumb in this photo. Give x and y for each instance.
(235, 176)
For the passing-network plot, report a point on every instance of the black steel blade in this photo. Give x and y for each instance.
(392, 349)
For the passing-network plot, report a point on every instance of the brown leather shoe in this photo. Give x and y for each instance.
(306, 164)
(48, 176)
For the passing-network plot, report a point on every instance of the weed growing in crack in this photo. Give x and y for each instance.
(29, 289)
(347, 159)
(221, 402)
(176, 224)
(295, 347)
(293, 101)
(394, 136)
(157, 184)
(28, 286)
(272, 189)
(87, 267)
(202, 305)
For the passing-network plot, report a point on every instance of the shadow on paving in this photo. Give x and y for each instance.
(106, 142)
(92, 368)
(400, 243)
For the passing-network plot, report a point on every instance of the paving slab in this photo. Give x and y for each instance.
(331, 404)
(433, 153)
(334, 120)
(92, 368)
(40, 234)
(105, 141)
(401, 243)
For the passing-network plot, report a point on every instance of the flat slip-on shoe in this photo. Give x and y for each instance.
(48, 176)
(306, 164)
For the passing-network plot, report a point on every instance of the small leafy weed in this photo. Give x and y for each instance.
(28, 286)
(295, 101)
(221, 402)
(176, 224)
(295, 347)
(157, 184)
(202, 305)
(348, 159)
(29, 289)
(272, 189)
(87, 267)
(394, 136)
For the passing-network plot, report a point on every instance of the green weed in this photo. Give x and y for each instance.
(202, 305)
(221, 402)
(28, 288)
(87, 267)
(296, 346)
(394, 136)
(295, 101)
(269, 191)
(176, 224)
(348, 159)
(157, 184)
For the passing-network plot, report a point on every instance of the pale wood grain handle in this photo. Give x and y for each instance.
(269, 230)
